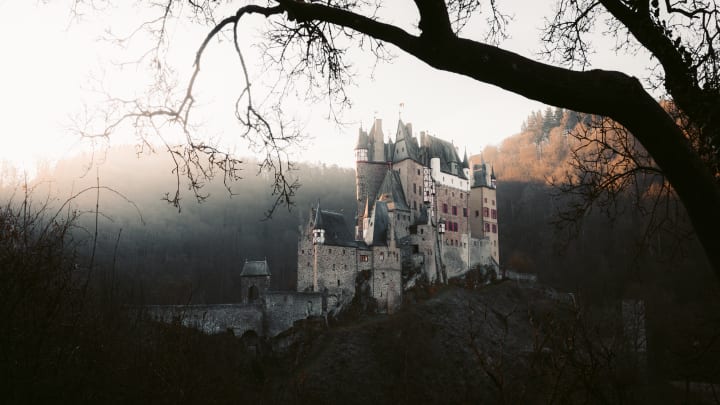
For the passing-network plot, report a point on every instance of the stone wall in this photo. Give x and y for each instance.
(261, 283)
(282, 309)
(212, 319)
(387, 277)
(387, 289)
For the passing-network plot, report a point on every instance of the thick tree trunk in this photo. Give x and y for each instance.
(607, 93)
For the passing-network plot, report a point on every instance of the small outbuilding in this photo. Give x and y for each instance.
(254, 280)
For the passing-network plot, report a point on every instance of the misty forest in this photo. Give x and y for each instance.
(607, 287)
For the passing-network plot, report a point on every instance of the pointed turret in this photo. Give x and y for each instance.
(362, 146)
(318, 228)
(492, 177)
(466, 165)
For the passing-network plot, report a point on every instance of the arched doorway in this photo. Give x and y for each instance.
(253, 293)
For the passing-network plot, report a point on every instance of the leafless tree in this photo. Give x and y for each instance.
(310, 38)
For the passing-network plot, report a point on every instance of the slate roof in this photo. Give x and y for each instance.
(255, 268)
(363, 140)
(381, 222)
(391, 190)
(337, 233)
(404, 133)
(438, 148)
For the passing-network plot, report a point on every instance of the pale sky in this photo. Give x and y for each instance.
(49, 62)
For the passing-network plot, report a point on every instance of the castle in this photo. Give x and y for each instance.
(422, 213)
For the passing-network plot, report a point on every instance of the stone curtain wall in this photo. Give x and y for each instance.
(211, 319)
(282, 309)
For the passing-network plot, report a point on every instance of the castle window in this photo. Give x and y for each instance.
(493, 202)
(338, 283)
(486, 212)
(414, 205)
(422, 231)
(329, 250)
(414, 188)
(465, 212)
(494, 214)
(302, 251)
(445, 207)
(363, 258)
(461, 195)
(343, 251)
(382, 256)
(453, 194)
(454, 209)
(477, 213)
(418, 172)
(487, 227)
(333, 266)
(494, 228)
(308, 264)
(485, 199)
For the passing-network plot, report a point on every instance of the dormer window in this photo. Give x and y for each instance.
(318, 236)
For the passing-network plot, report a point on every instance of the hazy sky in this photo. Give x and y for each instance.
(48, 63)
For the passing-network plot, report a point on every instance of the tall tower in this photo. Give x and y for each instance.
(370, 168)
(484, 209)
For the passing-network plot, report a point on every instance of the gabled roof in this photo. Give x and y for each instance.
(337, 233)
(391, 191)
(404, 137)
(258, 268)
(438, 148)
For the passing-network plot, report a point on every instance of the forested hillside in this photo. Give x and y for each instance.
(162, 254)
(150, 252)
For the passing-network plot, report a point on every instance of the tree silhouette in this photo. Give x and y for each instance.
(309, 39)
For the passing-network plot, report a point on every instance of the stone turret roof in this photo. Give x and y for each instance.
(389, 151)
(363, 140)
(391, 191)
(256, 268)
(381, 222)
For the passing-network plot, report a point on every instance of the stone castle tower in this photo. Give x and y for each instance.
(421, 213)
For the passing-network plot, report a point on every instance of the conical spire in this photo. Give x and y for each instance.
(318, 218)
(465, 162)
(492, 173)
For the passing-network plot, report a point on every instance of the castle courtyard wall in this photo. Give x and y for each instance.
(211, 319)
(282, 309)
